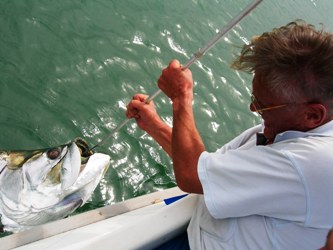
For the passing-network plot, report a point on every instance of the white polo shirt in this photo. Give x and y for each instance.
(278, 196)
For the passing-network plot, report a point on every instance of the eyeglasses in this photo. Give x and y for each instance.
(259, 109)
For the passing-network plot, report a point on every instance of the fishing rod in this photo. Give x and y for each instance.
(200, 53)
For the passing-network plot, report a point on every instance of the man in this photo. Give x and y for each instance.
(272, 186)
(329, 241)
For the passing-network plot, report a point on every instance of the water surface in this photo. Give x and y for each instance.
(68, 69)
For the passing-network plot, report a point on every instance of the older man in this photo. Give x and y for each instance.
(271, 187)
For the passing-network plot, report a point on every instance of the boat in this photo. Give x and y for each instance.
(143, 222)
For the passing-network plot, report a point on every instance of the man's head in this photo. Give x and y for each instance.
(293, 69)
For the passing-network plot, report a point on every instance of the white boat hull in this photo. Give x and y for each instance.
(144, 222)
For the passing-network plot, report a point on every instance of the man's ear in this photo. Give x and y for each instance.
(316, 115)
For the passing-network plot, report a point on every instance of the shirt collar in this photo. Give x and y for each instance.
(323, 130)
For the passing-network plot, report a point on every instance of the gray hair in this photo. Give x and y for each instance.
(294, 61)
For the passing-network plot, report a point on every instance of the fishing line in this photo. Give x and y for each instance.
(200, 53)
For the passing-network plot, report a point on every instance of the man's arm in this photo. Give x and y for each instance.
(186, 142)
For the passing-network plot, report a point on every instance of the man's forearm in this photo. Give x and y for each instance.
(162, 135)
(187, 146)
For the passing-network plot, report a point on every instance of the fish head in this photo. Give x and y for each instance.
(38, 186)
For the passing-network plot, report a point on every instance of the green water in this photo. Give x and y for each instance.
(68, 69)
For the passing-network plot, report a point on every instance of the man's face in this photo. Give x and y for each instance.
(277, 120)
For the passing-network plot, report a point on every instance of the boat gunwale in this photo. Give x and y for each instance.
(79, 220)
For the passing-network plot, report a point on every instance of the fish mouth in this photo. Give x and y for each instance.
(84, 147)
(82, 144)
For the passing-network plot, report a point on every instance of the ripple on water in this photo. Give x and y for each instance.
(68, 69)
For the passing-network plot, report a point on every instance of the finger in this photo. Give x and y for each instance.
(164, 72)
(160, 83)
(129, 114)
(175, 64)
(140, 97)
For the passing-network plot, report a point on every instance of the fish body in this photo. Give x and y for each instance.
(39, 186)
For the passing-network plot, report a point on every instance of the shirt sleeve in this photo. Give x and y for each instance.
(256, 180)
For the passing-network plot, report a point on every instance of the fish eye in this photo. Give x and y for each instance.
(53, 153)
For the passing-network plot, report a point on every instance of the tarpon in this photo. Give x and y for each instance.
(39, 186)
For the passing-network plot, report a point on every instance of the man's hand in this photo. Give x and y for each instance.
(176, 82)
